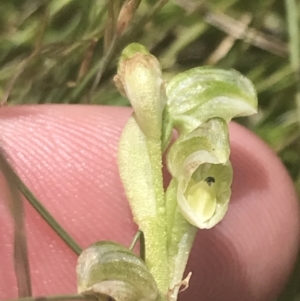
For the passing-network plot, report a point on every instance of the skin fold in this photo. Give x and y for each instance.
(67, 155)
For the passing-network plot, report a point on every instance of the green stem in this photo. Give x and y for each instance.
(180, 240)
(181, 252)
(156, 245)
(293, 17)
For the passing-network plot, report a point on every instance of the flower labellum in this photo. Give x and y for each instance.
(200, 163)
(204, 192)
(204, 200)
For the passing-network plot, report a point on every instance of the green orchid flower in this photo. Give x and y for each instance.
(197, 103)
(201, 102)
(200, 163)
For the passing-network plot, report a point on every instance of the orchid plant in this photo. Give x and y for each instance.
(198, 104)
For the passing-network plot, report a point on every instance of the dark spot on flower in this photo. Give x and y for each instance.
(210, 180)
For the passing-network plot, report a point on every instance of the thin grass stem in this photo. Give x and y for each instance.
(292, 12)
(45, 214)
(21, 263)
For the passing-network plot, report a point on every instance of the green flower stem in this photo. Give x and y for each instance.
(181, 236)
(179, 252)
(157, 250)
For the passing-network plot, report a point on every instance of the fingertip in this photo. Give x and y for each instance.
(67, 156)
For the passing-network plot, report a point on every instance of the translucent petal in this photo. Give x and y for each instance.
(202, 199)
(202, 93)
(209, 143)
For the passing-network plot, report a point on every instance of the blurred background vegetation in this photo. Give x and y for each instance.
(65, 51)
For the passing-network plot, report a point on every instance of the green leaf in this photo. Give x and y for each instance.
(140, 166)
(109, 269)
(202, 93)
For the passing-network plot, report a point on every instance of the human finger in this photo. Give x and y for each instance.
(67, 156)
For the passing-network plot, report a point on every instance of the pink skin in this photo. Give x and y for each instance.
(67, 156)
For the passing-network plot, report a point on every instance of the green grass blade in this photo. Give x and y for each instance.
(292, 12)
(21, 263)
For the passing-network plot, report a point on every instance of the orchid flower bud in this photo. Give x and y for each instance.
(200, 163)
(109, 269)
(139, 78)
